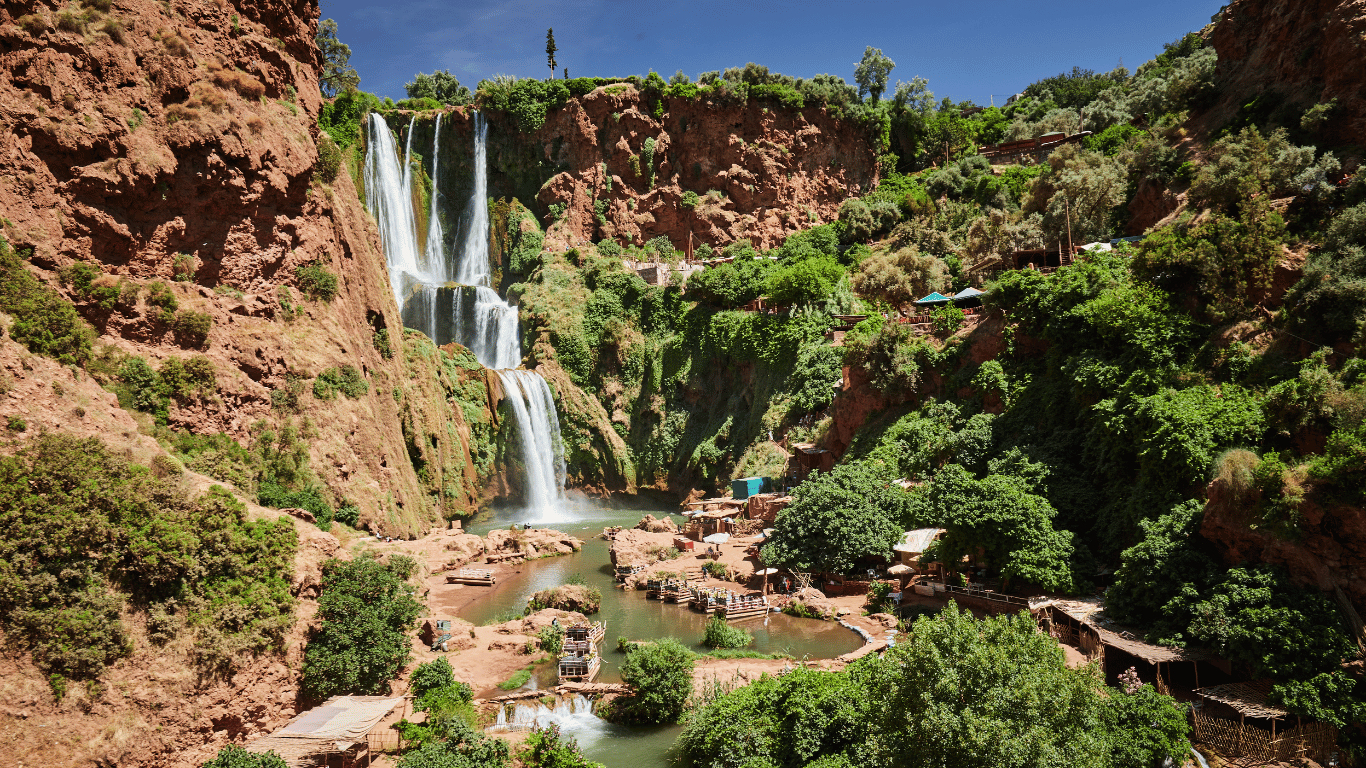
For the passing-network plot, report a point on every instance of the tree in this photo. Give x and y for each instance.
(366, 612)
(233, 756)
(804, 281)
(960, 693)
(1001, 516)
(337, 74)
(838, 518)
(871, 73)
(550, 49)
(661, 674)
(440, 85)
(900, 277)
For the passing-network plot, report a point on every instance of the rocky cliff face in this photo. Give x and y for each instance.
(175, 143)
(1298, 53)
(772, 170)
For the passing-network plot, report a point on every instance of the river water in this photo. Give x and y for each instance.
(630, 615)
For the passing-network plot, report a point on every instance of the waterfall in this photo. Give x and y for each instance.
(390, 198)
(574, 715)
(542, 450)
(428, 290)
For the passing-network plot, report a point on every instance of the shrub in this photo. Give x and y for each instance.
(159, 295)
(329, 160)
(661, 675)
(34, 24)
(114, 29)
(551, 640)
(16, 424)
(233, 756)
(346, 379)
(690, 200)
(190, 376)
(141, 539)
(947, 319)
(44, 322)
(192, 327)
(366, 611)
(380, 340)
(316, 281)
(719, 634)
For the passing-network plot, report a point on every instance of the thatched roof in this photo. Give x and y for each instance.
(1248, 698)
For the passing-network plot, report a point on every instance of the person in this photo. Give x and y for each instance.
(787, 587)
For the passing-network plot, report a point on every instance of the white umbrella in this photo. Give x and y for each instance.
(899, 570)
(717, 538)
(766, 573)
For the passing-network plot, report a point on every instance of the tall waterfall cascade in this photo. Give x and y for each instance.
(451, 297)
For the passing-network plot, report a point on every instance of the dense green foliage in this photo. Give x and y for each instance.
(954, 692)
(43, 321)
(233, 756)
(719, 634)
(84, 531)
(367, 610)
(837, 519)
(441, 86)
(337, 73)
(661, 674)
(317, 281)
(548, 748)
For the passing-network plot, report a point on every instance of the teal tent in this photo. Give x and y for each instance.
(934, 298)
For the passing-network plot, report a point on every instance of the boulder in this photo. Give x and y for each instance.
(653, 524)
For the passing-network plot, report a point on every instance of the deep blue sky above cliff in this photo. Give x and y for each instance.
(967, 49)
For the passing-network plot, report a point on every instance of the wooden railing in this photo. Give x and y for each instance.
(1315, 741)
(984, 594)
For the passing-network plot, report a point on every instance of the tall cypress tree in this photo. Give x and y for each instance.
(550, 50)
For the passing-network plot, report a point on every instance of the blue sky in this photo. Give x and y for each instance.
(967, 49)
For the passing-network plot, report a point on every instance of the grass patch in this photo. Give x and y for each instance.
(516, 681)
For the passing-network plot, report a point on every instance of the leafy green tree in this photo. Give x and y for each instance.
(661, 674)
(440, 85)
(1171, 559)
(794, 720)
(550, 49)
(1329, 302)
(959, 693)
(233, 756)
(720, 634)
(900, 277)
(1001, 516)
(366, 612)
(836, 519)
(871, 73)
(452, 743)
(1145, 727)
(805, 281)
(337, 74)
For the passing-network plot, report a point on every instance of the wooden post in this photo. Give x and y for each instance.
(1196, 664)
(1067, 207)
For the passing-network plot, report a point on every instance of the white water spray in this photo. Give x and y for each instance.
(573, 714)
(479, 318)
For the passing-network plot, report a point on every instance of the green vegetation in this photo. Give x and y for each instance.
(517, 680)
(440, 86)
(548, 748)
(347, 380)
(661, 674)
(367, 610)
(719, 634)
(915, 706)
(233, 756)
(338, 76)
(43, 321)
(86, 535)
(317, 281)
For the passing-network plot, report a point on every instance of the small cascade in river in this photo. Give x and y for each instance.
(455, 300)
(574, 715)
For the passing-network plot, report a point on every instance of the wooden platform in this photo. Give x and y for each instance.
(744, 607)
(708, 600)
(476, 576)
(579, 669)
(586, 633)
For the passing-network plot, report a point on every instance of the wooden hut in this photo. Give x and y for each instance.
(1269, 737)
(743, 607)
(580, 668)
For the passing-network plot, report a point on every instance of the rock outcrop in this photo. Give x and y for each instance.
(1293, 54)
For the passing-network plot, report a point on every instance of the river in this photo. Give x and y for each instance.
(630, 615)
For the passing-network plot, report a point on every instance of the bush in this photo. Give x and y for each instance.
(159, 295)
(947, 319)
(329, 160)
(233, 756)
(661, 675)
(16, 424)
(192, 327)
(347, 379)
(317, 282)
(362, 643)
(551, 640)
(719, 634)
(44, 322)
(141, 540)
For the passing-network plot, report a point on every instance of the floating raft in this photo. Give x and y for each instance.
(708, 600)
(477, 576)
(676, 593)
(657, 589)
(586, 633)
(744, 607)
(625, 572)
(579, 668)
